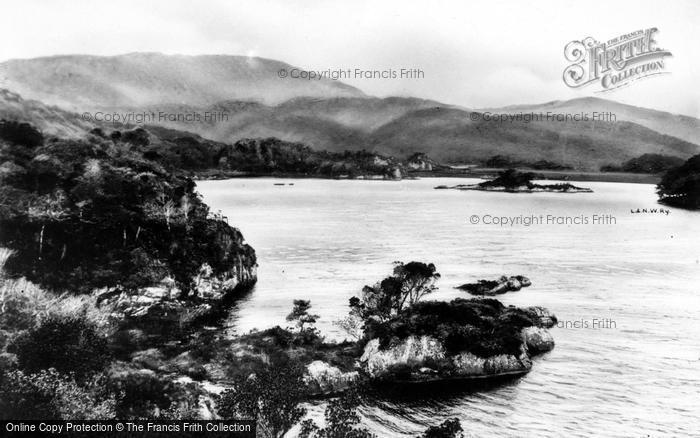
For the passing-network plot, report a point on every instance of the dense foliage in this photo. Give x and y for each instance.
(484, 327)
(271, 396)
(511, 179)
(67, 344)
(408, 284)
(647, 163)
(260, 156)
(95, 213)
(342, 420)
(680, 186)
(49, 395)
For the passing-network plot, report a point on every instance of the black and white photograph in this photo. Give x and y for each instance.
(350, 219)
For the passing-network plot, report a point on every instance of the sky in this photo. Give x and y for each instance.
(474, 54)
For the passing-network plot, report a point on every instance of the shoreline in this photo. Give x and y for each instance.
(481, 173)
(560, 175)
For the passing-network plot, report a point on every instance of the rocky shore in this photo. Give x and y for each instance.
(521, 335)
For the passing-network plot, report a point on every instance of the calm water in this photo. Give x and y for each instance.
(639, 377)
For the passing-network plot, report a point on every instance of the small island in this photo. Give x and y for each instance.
(518, 182)
(496, 287)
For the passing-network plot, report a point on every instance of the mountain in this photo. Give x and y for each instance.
(684, 127)
(84, 83)
(403, 126)
(50, 120)
(328, 115)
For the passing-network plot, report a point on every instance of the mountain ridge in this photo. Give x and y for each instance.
(329, 115)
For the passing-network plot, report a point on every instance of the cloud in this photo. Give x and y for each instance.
(475, 54)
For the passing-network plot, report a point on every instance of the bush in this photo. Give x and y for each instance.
(48, 395)
(483, 327)
(451, 428)
(271, 396)
(342, 420)
(20, 133)
(69, 344)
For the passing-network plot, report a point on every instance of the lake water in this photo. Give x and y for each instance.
(636, 374)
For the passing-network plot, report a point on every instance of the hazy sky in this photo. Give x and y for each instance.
(475, 54)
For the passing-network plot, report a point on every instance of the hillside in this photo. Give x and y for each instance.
(50, 120)
(676, 125)
(326, 115)
(83, 83)
(402, 126)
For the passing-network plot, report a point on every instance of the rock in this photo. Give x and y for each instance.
(543, 317)
(496, 287)
(468, 364)
(417, 350)
(377, 363)
(325, 379)
(537, 339)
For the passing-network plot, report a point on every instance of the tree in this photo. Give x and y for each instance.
(341, 420)
(408, 284)
(451, 428)
(271, 396)
(301, 314)
(680, 186)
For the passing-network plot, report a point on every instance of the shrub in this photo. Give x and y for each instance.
(20, 133)
(271, 396)
(451, 428)
(342, 420)
(49, 395)
(67, 343)
(483, 327)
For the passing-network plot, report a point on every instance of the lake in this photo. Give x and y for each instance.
(626, 292)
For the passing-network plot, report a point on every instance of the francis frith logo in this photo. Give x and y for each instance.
(614, 63)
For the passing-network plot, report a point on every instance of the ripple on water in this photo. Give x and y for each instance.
(324, 240)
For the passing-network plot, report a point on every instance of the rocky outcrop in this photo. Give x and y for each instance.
(377, 362)
(423, 358)
(461, 339)
(537, 339)
(517, 182)
(323, 379)
(496, 287)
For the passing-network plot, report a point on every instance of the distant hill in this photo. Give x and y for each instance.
(83, 83)
(329, 115)
(684, 127)
(401, 127)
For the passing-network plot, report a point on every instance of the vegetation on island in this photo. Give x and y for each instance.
(505, 162)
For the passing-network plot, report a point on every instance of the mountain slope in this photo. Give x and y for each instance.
(684, 127)
(83, 83)
(49, 119)
(326, 115)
